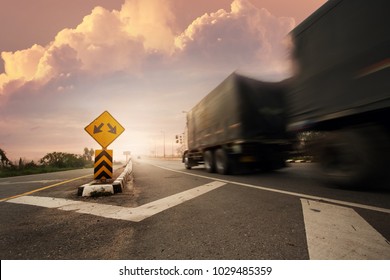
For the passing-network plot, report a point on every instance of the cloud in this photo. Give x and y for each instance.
(111, 41)
(244, 37)
(23, 64)
(137, 58)
(104, 42)
(152, 21)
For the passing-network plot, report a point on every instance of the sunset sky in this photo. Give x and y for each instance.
(145, 61)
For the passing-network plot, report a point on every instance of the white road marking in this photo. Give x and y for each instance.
(118, 212)
(157, 206)
(300, 195)
(335, 232)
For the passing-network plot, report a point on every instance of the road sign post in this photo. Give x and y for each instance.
(127, 154)
(104, 129)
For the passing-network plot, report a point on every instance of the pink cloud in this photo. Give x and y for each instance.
(104, 42)
(243, 37)
(110, 41)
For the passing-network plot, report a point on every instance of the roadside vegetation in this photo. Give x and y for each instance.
(51, 162)
(304, 146)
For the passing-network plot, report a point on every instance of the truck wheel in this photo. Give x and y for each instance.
(209, 161)
(187, 162)
(354, 157)
(222, 162)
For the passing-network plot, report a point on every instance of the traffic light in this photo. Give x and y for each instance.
(179, 139)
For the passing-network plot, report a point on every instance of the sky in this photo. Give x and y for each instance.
(146, 62)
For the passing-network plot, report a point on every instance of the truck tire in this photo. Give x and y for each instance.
(209, 161)
(354, 157)
(187, 164)
(222, 163)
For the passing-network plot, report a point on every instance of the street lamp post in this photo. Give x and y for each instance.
(163, 132)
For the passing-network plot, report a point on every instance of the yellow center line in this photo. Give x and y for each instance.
(44, 188)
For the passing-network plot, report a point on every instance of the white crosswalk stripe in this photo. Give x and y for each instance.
(335, 232)
(117, 212)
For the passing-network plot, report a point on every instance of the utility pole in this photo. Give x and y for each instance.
(163, 132)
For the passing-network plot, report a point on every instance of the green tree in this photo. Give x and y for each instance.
(30, 165)
(88, 154)
(62, 160)
(72, 160)
(307, 142)
(21, 163)
(4, 161)
(54, 159)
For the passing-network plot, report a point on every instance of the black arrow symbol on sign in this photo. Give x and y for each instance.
(97, 129)
(112, 129)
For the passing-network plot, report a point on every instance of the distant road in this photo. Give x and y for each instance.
(174, 213)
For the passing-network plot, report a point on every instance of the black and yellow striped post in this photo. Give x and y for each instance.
(103, 164)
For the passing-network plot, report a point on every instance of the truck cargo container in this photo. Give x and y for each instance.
(240, 124)
(342, 88)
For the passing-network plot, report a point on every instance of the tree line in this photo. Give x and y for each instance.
(50, 162)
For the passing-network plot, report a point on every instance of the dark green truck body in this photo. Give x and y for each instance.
(341, 89)
(243, 117)
(239, 109)
(342, 64)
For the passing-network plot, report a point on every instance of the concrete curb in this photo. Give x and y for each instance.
(120, 182)
(107, 189)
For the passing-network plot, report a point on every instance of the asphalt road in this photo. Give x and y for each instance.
(172, 213)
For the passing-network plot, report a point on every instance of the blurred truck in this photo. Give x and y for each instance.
(240, 124)
(342, 88)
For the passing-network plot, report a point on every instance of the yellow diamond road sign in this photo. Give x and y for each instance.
(104, 129)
